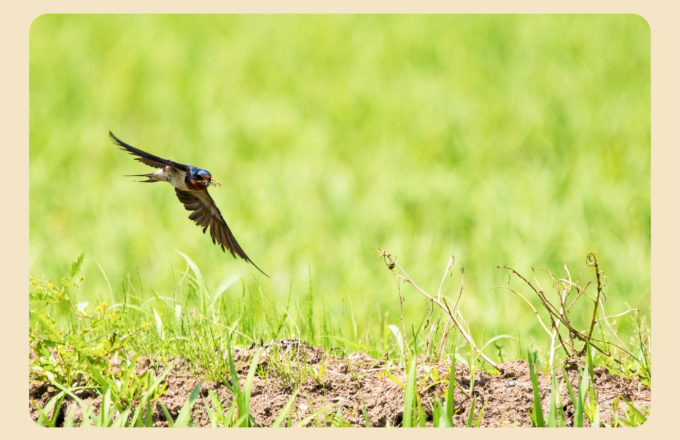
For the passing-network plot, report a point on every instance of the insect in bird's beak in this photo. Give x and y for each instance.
(214, 182)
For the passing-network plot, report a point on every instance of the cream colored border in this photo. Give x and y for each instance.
(16, 21)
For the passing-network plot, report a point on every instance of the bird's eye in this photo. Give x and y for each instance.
(204, 175)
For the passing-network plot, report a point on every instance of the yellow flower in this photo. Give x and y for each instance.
(101, 307)
(145, 325)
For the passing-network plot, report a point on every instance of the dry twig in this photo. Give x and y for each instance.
(560, 315)
(441, 302)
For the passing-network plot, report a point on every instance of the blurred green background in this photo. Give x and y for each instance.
(500, 139)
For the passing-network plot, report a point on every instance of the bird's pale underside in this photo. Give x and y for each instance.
(191, 186)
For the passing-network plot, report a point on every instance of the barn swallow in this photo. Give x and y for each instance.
(191, 186)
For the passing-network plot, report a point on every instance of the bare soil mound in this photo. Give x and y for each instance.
(356, 390)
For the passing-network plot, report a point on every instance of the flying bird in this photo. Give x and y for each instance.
(191, 186)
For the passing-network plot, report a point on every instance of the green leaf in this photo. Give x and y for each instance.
(45, 326)
(97, 376)
(75, 266)
(393, 378)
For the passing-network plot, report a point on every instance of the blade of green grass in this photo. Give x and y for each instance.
(247, 387)
(44, 419)
(537, 418)
(155, 382)
(409, 395)
(70, 417)
(121, 420)
(284, 411)
(367, 420)
(184, 417)
(436, 412)
(422, 419)
(478, 421)
(167, 415)
(552, 411)
(450, 403)
(471, 413)
(398, 338)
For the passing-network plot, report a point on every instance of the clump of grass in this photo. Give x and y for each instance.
(73, 343)
(631, 415)
(442, 413)
(583, 400)
(114, 412)
(242, 417)
(238, 414)
(537, 412)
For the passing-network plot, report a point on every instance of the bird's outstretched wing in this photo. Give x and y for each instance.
(147, 158)
(206, 214)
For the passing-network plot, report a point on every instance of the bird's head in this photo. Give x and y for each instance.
(200, 179)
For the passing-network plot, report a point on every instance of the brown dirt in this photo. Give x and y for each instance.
(357, 383)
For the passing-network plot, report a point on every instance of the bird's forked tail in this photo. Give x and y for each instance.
(150, 177)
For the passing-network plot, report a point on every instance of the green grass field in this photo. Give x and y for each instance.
(502, 140)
